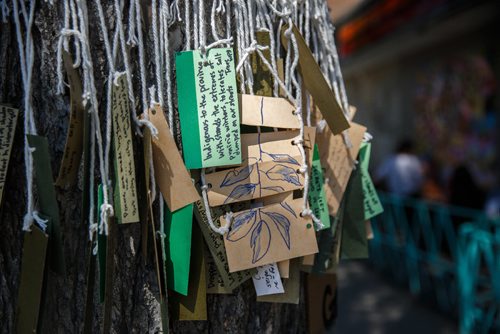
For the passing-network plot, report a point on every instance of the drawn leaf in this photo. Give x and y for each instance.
(260, 240)
(279, 157)
(282, 224)
(283, 173)
(242, 224)
(287, 207)
(275, 188)
(236, 175)
(241, 191)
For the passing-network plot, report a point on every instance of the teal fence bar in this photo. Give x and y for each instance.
(439, 252)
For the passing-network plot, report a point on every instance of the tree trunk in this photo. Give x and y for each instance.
(135, 304)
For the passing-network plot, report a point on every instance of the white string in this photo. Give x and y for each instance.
(187, 11)
(222, 229)
(4, 9)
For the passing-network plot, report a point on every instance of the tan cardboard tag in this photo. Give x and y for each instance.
(68, 171)
(171, 174)
(267, 111)
(268, 234)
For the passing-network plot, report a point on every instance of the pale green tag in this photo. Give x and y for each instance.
(178, 229)
(317, 197)
(208, 108)
(372, 205)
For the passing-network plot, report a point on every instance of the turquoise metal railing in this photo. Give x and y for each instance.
(418, 244)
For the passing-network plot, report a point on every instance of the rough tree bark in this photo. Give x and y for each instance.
(135, 305)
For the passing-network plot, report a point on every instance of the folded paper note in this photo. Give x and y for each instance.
(267, 280)
(208, 108)
(267, 111)
(317, 85)
(172, 176)
(271, 166)
(268, 234)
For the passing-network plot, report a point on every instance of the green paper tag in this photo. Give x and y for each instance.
(47, 200)
(354, 244)
(317, 197)
(178, 227)
(31, 284)
(372, 205)
(208, 108)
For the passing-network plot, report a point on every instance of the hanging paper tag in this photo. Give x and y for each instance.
(249, 245)
(208, 108)
(172, 176)
(267, 111)
(31, 283)
(101, 248)
(321, 302)
(215, 243)
(354, 243)
(317, 85)
(317, 197)
(291, 286)
(270, 167)
(193, 306)
(372, 205)
(267, 280)
(338, 161)
(8, 121)
(70, 164)
(262, 76)
(127, 206)
(178, 228)
(215, 284)
(47, 200)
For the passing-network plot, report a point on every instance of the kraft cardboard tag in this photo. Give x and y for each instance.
(127, 205)
(208, 108)
(171, 175)
(193, 306)
(268, 234)
(8, 121)
(31, 282)
(270, 167)
(47, 201)
(372, 205)
(267, 111)
(321, 292)
(178, 230)
(317, 85)
(317, 196)
(215, 243)
(291, 287)
(267, 280)
(262, 76)
(70, 164)
(338, 161)
(354, 242)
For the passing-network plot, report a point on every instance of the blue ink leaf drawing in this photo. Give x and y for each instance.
(282, 224)
(240, 191)
(237, 175)
(275, 188)
(287, 207)
(242, 224)
(278, 157)
(260, 240)
(283, 173)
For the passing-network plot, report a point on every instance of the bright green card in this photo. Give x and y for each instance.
(208, 108)
(372, 205)
(178, 227)
(317, 197)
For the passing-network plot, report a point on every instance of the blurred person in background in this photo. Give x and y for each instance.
(464, 190)
(402, 173)
(432, 188)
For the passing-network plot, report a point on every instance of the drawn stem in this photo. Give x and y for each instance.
(257, 164)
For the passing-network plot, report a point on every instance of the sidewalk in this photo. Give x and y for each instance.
(368, 304)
